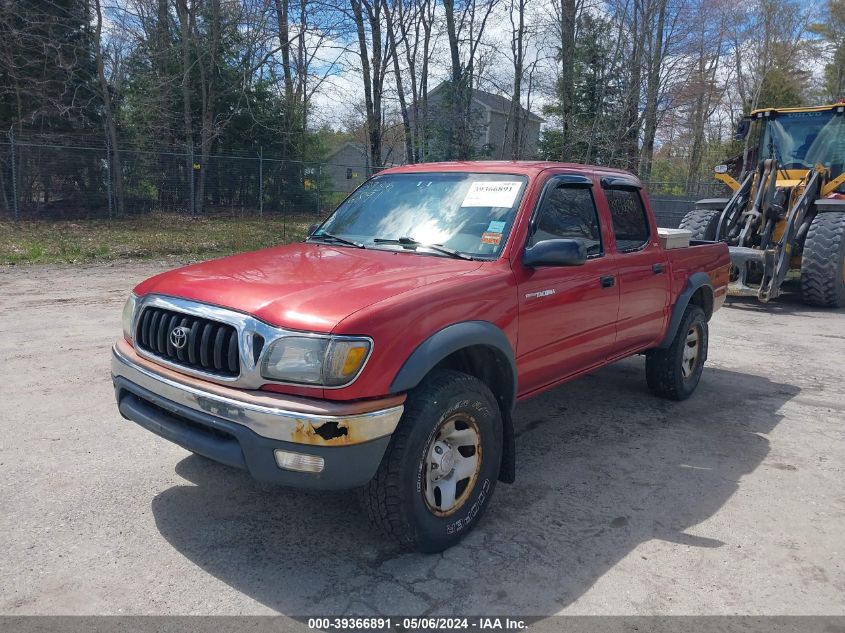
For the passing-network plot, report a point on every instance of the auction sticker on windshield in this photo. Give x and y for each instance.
(492, 194)
(491, 238)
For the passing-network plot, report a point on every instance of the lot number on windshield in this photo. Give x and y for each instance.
(491, 194)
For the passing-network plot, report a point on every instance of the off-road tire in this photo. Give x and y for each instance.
(394, 499)
(664, 367)
(702, 223)
(823, 263)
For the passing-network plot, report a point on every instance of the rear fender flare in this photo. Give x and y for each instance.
(696, 281)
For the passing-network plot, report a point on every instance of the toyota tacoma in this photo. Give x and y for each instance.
(386, 352)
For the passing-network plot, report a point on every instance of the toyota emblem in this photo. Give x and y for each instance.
(179, 337)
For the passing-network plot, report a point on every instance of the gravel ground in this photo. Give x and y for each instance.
(729, 503)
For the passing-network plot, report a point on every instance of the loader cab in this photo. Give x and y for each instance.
(799, 139)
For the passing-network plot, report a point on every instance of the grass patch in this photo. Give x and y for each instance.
(147, 237)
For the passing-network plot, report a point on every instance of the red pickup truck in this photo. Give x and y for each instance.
(387, 351)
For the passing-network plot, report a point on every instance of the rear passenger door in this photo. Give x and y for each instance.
(567, 314)
(641, 266)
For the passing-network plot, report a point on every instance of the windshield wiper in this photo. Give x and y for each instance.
(408, 241)
(335, 238)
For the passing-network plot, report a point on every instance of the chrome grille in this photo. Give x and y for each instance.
(210, 347)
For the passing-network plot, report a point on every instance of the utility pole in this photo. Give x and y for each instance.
(108, 175)
(319, 177)
(261, 181)
(191, 203)
(14, 175)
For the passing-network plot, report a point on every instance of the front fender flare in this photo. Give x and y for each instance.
(449, 340)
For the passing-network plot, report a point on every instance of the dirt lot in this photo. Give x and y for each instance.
(731, 502)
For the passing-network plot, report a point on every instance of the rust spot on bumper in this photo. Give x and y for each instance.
(332, 433)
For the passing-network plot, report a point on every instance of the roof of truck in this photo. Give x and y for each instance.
(525, 167)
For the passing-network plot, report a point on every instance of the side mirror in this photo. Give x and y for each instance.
(312, 228)
(561, 252)
(742, 129)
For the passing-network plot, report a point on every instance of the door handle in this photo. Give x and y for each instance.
(607, 282)
(657, 269)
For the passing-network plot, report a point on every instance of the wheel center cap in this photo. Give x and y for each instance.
(442, 460)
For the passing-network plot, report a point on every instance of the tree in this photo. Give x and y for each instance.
(593, 133)
(367, 15)
(186, 10)
(48, 67)
(465, 22)
(519, 35)
(108, 111)
(657, 44)
(630, 82)
(702, 92)
(393, 14)
(832, 31)
(567, 20)
(414, 21)
(768, 43)
(48, 89)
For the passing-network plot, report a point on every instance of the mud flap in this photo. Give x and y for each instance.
(507, 470)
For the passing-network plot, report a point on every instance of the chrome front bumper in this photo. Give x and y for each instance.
(257, 431)
(268, 415)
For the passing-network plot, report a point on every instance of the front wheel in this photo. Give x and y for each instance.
(823, 263)
(674, 372)
(440, 468)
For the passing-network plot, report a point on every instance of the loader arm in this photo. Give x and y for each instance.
(776, 269)
(733, 210)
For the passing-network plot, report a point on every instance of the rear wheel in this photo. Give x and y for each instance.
(441, 465)
(702, 223)
(674, 372)
(823, 262)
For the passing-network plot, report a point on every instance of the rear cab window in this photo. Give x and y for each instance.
(629, 219)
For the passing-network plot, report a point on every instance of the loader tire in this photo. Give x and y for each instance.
(702, 223)
(823, 263)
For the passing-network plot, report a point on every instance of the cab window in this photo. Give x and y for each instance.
(569, 212)
(630, 223)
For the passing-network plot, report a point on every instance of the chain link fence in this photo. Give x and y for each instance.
(40, 181)
(43, 181)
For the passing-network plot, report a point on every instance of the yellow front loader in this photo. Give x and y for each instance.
(787, 211)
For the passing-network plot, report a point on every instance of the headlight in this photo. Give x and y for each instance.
(315, 360)
(128, 313)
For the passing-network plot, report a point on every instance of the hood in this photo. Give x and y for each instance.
(310, 287)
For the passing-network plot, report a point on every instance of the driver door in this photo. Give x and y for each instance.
(567, 314)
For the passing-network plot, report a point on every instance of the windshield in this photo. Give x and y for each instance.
(801, 140)
(469, 214)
